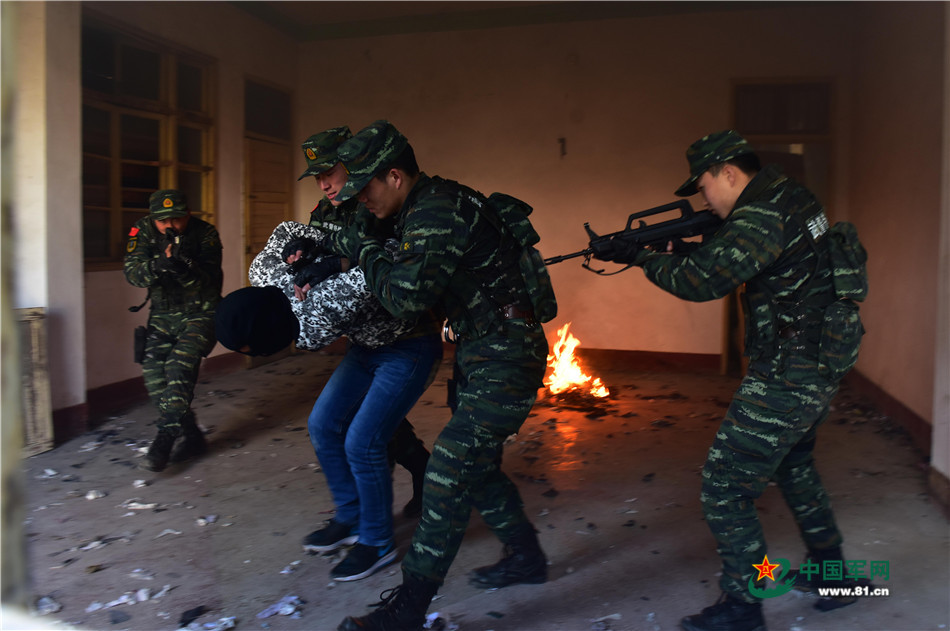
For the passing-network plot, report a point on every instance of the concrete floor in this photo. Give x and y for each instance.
(613, 489)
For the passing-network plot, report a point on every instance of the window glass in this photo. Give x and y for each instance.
(139, 73)
(96, 131)
(190, 87)
(98, 60)
(189, 145)
(190, 183)
(139, 138)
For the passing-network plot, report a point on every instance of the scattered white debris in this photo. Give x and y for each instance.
(129, 598)
(290, 568)
(613, 616)
(219, 625)
(285, 607)
(208, 519)
(94, 494)
(142, 575)
(47, 474)
(46, 605)
(92, 545)
(139, 484)
(135, 504)
(91, 446)
(168, 531)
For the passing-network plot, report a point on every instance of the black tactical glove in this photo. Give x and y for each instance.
(168, 265)
(619, 250)
(315, 273)
(306, 246)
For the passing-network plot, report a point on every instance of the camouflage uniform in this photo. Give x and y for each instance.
(181, 319)
(451, 258)
(800, 339)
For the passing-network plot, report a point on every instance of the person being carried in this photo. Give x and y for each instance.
(360, 407)
(803, 332)
(177, 257)
(452, 256)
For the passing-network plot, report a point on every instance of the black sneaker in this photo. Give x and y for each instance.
(332, 536)
(362, 561)
(728, 614)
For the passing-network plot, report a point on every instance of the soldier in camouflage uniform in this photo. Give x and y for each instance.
(801, 338)
(452, 257)
(177, 257)
(363, 405)
(330, 215)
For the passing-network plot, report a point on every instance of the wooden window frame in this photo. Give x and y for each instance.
(170, 117)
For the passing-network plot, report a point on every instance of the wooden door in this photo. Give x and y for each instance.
(268, 180)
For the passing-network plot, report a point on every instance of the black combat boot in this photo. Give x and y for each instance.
(728, 614)
(156, 458)
(402, 608)
(815, 580)
(408, 451)
(193, 443)
(524, 562)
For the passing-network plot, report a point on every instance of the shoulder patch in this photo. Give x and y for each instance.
(412, 247)
(131, 245)
(134, 231)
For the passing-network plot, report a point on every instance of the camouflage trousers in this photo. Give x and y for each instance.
(174, 347)
(499, 377)
(768, 434)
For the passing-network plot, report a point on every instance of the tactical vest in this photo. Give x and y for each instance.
(489, 287)
(168, 294)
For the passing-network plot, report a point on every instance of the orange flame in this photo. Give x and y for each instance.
(567, 374)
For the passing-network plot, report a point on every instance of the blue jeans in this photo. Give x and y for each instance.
(355, 417)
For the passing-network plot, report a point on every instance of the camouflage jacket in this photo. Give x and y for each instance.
(771, 243)
(327, 217)
(450, 257)
(197, 289)
(340, 305)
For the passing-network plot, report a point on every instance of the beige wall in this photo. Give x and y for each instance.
(897, 167)
(629, 96)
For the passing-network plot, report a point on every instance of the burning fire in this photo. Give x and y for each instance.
(567, 375)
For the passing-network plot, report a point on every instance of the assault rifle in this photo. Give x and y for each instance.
(638, 233)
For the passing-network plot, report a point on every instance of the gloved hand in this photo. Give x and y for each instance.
(318, 271)
(169, 265)
(306, 246)
(620, 251)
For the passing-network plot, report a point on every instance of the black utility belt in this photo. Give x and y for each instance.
(514, 312)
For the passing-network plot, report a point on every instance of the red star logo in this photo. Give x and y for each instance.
(765, 568)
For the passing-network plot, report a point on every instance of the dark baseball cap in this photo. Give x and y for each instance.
(320, 150)
(166, 204)
(367, 153)
(709, 151)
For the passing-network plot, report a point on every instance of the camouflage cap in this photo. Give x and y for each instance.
(367, 153)
(166, 204)
(320, 150)
(708, 151)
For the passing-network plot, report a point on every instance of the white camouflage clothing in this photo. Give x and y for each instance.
(340, 305)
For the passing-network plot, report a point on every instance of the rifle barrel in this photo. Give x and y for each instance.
(565, 257)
